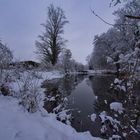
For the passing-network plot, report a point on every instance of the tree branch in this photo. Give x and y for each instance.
(110, 24)
(101, 18)
(132, 17)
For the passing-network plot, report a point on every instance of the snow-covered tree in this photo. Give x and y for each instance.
(66, 60)
(119, 42)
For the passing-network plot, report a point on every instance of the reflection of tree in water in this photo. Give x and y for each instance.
(127, 127)
(53, 95)
(57, 91)
(100, 86)
(69, 82)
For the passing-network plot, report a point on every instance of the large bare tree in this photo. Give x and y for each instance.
(51, 42)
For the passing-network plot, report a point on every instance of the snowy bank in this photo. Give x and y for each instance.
(52, 75)
(18, 124)
(100, 72)
(34, 78)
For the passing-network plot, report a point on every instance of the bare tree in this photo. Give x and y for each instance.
(51, 41)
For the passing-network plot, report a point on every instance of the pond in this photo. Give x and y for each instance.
(74, 98)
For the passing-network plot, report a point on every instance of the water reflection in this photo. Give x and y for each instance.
(57, 91)
(101, 86)
(83, 96)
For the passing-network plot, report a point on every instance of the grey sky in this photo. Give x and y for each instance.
(20, 24)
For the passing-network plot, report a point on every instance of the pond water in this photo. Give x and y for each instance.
(81, 96)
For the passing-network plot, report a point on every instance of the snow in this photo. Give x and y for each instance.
(118, 84)
(103, 129)
(105, 101)
(103, 115)
(52, 75)
(115, 137)
(117, 81)
(90, 72)
(34, 78)
(123, 88)
(117, 106)
(124, 134)
(63, 116)
(134, 130)
(109, 60)
(100, 72)
(52, 99)
(18, 124)
(137, 50)
(93, 117)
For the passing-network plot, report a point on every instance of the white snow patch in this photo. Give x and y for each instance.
(115, 137)
(117, 81)
(52, 75)
(64, 116)
(116, 106)
(93, 117)
(103, 115)
(124, 134)
(105, 101)
(109, 60)
(52, 99)
(123, 88)
(118, 84)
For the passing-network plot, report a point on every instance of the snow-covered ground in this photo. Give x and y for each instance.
(99, 72)
(33, 77)
(18, 124)
(52, 75)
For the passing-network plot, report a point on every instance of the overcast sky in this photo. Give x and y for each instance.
(20, 24)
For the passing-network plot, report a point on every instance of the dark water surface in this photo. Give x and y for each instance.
(83, 96)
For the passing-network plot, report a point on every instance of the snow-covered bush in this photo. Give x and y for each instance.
(5, 76)
(28, 91)
(5, 80)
